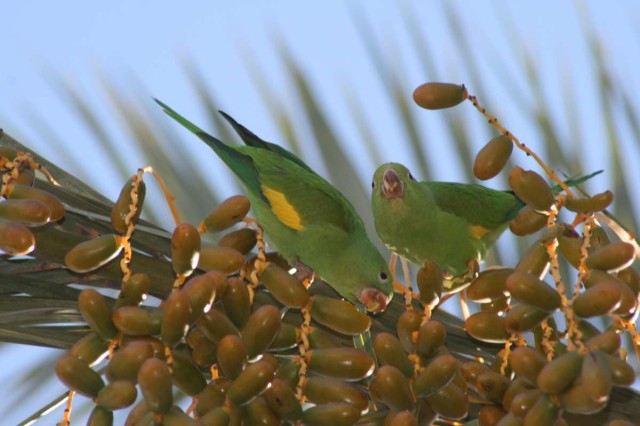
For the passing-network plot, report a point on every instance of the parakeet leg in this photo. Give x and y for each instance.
(392, 270)
(405, 272)
(407, 291)
(304, 273)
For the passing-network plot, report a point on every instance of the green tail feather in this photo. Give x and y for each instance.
(242, 165)
(247, 136)
(250, 139)
(180, 119)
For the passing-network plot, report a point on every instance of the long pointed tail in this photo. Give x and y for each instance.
(251, 139)
(242, 165)
(180, 119)
(222, 149)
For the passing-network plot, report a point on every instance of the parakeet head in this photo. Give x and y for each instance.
(396, 199)
(390, 181)
(363, 276)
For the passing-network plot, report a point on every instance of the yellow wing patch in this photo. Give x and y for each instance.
(478, 231)
(284, 211)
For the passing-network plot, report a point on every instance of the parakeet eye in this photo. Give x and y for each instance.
(383, 277)
(411, 177)
(373, 184)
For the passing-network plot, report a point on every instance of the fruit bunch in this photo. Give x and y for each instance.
(558, 371)
(218, 337)
(251, 342)
(245, 339)
(24, 207)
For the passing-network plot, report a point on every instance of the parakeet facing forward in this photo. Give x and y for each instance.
(305, 218)
(450, 224)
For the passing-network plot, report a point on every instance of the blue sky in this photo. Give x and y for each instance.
(147, 43)
(141, 48)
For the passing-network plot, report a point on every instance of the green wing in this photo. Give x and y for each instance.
(282, 180)
(478, 205)
(483, 206)
(312, 198)
(241, 164)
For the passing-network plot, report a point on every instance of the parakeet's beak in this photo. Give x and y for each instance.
(392, 185)
(374, 300)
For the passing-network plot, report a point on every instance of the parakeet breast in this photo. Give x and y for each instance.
(430, 234)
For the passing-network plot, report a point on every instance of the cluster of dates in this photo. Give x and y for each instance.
(572, 371)
(222, 338)
(246, 341)
(24, 207)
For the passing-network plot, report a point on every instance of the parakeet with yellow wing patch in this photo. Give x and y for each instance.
(305, 218)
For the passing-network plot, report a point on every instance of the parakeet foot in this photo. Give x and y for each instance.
(304, 273)
(392, 268)
(408, 290)
(397, 285)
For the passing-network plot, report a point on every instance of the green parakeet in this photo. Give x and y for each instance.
(305, 218)
(451, 224)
